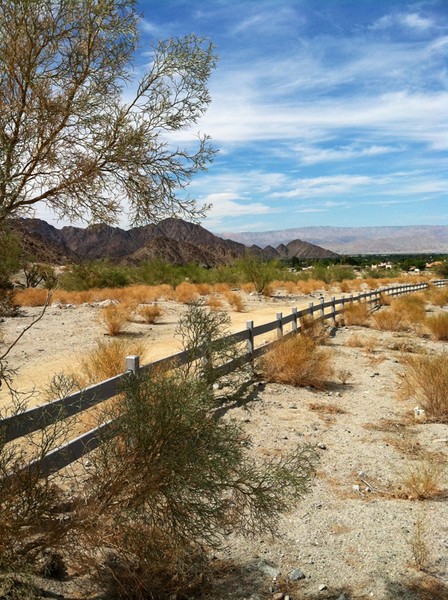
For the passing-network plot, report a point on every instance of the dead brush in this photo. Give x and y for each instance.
(438, 326)
(31, 297)
(388, 320)
(115, 317)
(214, 302)
(369, 344)
(438, 296)
(313, 329)
(344, 375)
(235, 301)
(186, 292)
(357, 314)
(422, 480)
(106, 360)
(411, 308)
(150, 313)
(425, 379)
(298, 361)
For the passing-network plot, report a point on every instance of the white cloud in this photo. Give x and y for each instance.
(408, 20)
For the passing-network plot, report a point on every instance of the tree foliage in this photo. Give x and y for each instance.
(68, 136)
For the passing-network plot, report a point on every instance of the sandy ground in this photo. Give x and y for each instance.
(353, 536)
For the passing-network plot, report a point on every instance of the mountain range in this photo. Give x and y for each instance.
(172, 240)
(423, 239)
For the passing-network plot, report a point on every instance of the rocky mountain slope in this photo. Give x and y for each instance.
(173, 240)
(357, 240)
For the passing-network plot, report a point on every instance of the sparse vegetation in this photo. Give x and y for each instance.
(425, 381)
(115, 317)
(150, 313)
(298, 361)
(438, 326)
(423, 479)
(357, 314)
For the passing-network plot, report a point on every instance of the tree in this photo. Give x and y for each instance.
(69, 139)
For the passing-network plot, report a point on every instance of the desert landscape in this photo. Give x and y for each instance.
(375, 521)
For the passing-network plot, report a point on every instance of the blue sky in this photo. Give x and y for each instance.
(324, 112)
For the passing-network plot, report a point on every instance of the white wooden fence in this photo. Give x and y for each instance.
(34, 419)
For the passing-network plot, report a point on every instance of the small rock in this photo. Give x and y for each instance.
(322, 587)
(321, 446)
(278, 596)
(292, 405)
(296, 574)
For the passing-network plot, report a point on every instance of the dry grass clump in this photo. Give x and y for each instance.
(235, 301)
(248, 287)
(214, 302)
(222, 288)
(31, 297)
(438, 296)
(438, 326)
(186, 292)
(423, 479)
(411, 307)
(313, 329)
(106, 361)
(328, 409)
(357, 314)
(150, 313)
(425, 380)
(360, 341)
(115, 317)
(388, 320)
(344, 375)
(298, 361)
(310, 286)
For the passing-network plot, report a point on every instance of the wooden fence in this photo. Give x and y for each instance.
(34, 419)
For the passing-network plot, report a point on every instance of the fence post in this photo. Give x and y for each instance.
(311, 308)
(279, 326)
(294, 322)
(132, 364)
(322, 308)
(333, 310)
(250, 340)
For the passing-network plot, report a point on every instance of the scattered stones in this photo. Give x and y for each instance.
(321, 446)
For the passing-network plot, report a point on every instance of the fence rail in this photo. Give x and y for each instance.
(34, 419)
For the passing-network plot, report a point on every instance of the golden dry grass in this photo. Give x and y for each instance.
(422, 479)
(356, 314)
(425, 380)
(438, 296)
(31, 297)
(115, 316)
(388, 320)
(298, 361)
(438, 326)
(313, 329)
(106, 360)
(186, 292)
(150, 313)
(235, 301)
(214, 302)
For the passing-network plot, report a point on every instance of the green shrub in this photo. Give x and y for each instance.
(86, 276)
(171, 481)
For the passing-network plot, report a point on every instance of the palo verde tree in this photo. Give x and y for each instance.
(77, 131)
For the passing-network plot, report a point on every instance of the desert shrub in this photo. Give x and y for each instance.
(388, 320)
(214, 302)
(186, 292)
(204, 332)
(438, 296)
(150, 313)
(297, 361)
(258, 272)
(115, 317)
(356, 314)
(106, 360)
(425, 380)
(100, 274)
(31, 297)
(423, 479)
(410, 307)
(438, 326)
(313, 329)
(172, 481)
(235, 301)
